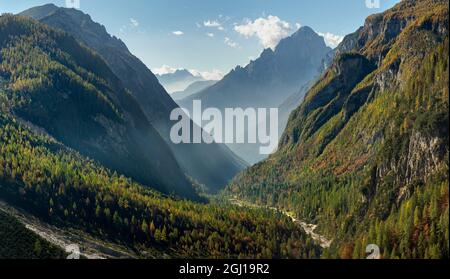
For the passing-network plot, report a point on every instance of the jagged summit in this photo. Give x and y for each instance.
(268, 81)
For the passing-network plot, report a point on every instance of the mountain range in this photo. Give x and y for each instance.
(192, 89)
(68, 92)
(210, 164)
(268, 81)
(81, 164)
(178, 80)
(365, 156)
(363, 161)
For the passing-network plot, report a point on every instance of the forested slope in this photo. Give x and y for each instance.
(65, 90)
(213, 165)
(66, 189)
(366, 155)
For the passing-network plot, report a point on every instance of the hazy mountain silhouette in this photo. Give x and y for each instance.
(213, 165)
(268, 81)
(178, 80)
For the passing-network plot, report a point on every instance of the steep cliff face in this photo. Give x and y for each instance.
(328, 98)
(424, 156)
(371, 138)
(130, 70)
(381, 31)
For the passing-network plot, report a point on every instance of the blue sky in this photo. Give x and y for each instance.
(213, 36)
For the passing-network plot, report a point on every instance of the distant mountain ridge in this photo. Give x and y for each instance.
(192, 89)
(213, 165)
(178, 80)
(268, 81)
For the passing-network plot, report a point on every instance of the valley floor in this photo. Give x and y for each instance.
(309, 229)
(90, 247)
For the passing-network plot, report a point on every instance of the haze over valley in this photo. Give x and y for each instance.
(102, 149)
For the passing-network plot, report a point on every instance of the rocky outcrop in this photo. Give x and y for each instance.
(327, 99)
(423, 157)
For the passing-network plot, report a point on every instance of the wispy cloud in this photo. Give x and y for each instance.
(218, 24)
(178, 33)
(268, 30)
(208, 75)
(211, 23)
(164, 69)
(134, 22)
(229, 42)
(211, 35)
(132, 26)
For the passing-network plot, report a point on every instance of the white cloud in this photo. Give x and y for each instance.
(224, 18)
(212, 75)
(134, 22)
(268, 30)
(331, 40)
(212, 23)
(131, 26)
(231, 43)
(298, 25)
(164, 69)
(210, 35)
(178, 33)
